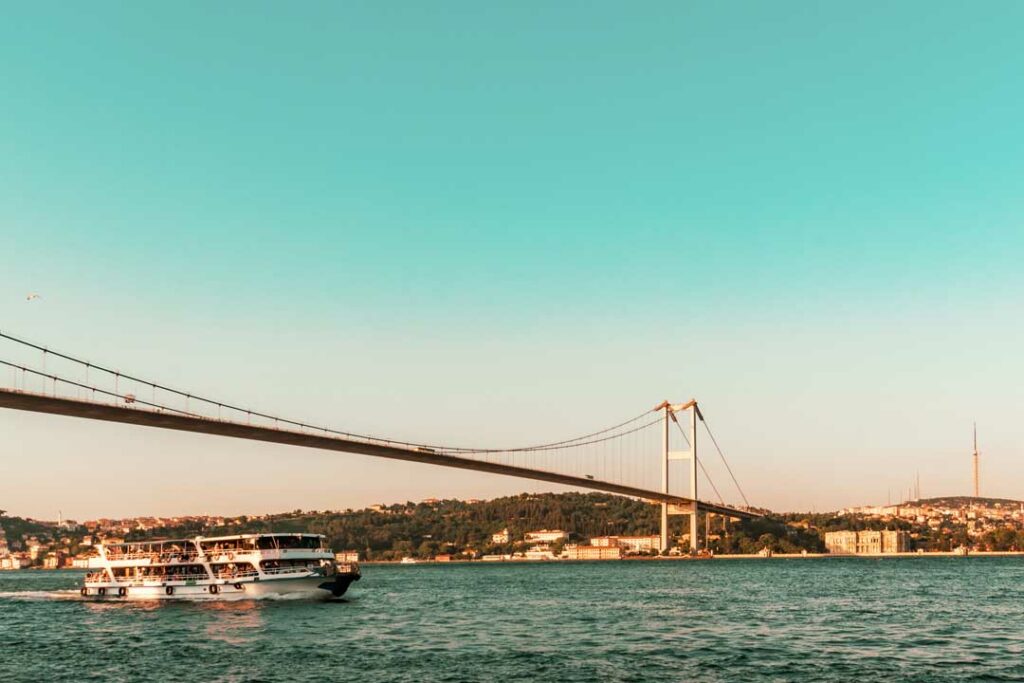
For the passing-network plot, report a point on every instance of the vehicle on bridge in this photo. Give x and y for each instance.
(226, 567)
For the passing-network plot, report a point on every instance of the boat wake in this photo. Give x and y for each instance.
(71, 594)
(74, 595)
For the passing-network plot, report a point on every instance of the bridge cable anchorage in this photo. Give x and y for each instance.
(707, 428)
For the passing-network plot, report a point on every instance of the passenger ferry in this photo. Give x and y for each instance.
(243, 566)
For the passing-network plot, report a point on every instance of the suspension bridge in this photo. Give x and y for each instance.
(631, 458)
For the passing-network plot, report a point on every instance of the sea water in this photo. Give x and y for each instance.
(830, 619)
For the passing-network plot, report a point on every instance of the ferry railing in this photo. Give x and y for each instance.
(198, 575)
(153, 557)
(209, 555)
(226, 574)
(290, 570)
(142, 580)
(228, 555)
(177, 578)
(208, 552)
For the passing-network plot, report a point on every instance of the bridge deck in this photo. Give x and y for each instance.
(18, 400)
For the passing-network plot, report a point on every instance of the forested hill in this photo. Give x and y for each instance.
(425, 529)
(453, 526)
(16, 527)
(464, 528)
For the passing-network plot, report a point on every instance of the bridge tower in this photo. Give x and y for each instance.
(669, 455)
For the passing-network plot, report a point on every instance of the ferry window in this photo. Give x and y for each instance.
(266, 543)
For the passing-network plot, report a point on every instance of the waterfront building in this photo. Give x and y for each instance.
(347, 556)
(841, 542)
(15, 561)
(591, 552)
(500, 538)
(546, 536)
(539, 555)
(867, 542)
(629, 544)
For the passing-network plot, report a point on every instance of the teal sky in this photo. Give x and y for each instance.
(470, 223)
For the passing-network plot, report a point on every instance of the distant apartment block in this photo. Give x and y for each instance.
(501, 537)
(866, 542)
(347, 556)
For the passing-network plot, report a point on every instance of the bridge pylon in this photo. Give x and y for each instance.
(667, 456)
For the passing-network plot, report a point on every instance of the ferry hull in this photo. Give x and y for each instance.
(307, 587)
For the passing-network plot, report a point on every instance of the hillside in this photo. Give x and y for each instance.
(967, 501)
(16, 527)
(453, 526)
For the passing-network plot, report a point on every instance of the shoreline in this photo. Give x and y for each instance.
(776, 556)
(687, 558)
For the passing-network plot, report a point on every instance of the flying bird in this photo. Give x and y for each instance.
(32, 296)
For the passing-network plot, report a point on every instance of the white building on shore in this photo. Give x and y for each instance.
(629, 544)
(546, 536)
(866, 542)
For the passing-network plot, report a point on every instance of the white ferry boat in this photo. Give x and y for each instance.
(243, 566)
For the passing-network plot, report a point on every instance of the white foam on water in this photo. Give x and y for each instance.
(73, 594)
(40, 595)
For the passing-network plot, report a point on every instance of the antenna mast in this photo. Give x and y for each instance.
(976, 460)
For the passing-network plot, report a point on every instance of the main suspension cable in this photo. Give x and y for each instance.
(569, 443)
(718, 448)
(701, 464)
